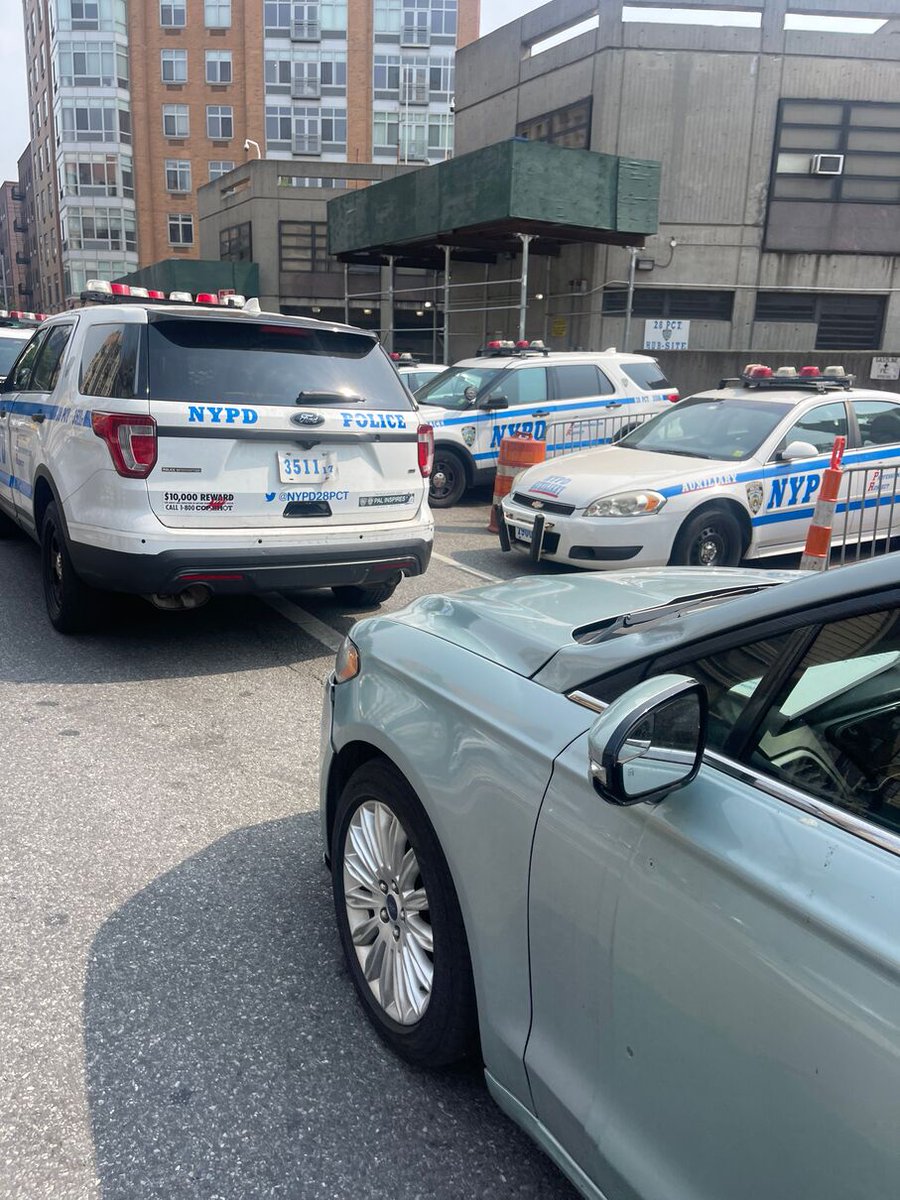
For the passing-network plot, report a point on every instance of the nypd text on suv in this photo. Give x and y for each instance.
(521, 387)
(727, 474)
(177, 450)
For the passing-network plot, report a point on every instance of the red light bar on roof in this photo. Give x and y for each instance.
(207, 298)
(120, 289)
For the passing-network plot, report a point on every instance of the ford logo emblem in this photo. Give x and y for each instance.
(307, 418)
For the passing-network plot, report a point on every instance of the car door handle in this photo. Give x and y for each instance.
(614, 404)
(2, 412)
(38, 418)
(544, 412)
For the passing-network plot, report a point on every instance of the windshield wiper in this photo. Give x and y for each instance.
(591, 635)
(314, 396)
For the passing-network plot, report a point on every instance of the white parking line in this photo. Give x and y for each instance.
(451, 562)
(322, 633)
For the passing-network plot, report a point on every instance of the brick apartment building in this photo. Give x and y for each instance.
(134, 106)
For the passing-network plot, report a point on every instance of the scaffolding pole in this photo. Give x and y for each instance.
(346, 293)
(526, 240)
(446, 355)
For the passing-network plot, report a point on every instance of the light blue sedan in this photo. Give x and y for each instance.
(635, 839)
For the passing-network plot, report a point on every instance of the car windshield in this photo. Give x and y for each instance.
(705, 428)
(10, 349)
(449, 389)
(194, 360)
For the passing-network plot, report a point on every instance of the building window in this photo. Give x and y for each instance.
(176, 121)
(218, 66)
(181, 229)
(334, 16)
(334, 126)
(684, 304)
(303, 246)
(443, 18)
(333, 69)
(440, 134)
(305, 25)
(277, 15)
(852, 322)
(569, 126)
(173, 66)
(92, 64)
(236, 243)
(219, 167)
(387, 16)
(178, 175)
(173, 14)
(217, 14)
(385, 130)
(99, 228)
(219, 122)
(307, 131)
(90, 121)
(857, 142)
(278, 123)
(93, 175)
(441, 75)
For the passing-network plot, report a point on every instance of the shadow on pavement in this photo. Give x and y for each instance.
(226, 1055)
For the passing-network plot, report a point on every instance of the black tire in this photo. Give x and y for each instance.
(711, 538)
(447, 1030)
(366, 595)
(448, 482)
(72, 606)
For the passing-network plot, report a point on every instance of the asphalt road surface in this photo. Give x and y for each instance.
(175, 1018)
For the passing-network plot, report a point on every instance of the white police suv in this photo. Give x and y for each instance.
(724, 475)
(521, 387)
(179, 451)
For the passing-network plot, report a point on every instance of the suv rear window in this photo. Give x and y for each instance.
(203, 361)
(646, 375)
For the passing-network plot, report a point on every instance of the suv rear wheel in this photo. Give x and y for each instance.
(72, 606)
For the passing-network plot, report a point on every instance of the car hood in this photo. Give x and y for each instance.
(581, 478)
(521, 624)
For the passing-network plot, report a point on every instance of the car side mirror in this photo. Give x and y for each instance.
(650, 741)
(491, 402)
(797, 450)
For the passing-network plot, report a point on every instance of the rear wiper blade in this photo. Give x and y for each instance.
(592, 634)
(322, 397)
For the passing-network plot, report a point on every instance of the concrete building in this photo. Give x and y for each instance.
(30, 294)
(780, 147)
(133, 106)
(266, 213)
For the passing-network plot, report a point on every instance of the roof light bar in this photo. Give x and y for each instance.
(186, 297)
(760, 375)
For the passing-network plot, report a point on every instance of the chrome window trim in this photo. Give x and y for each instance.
(875, 835)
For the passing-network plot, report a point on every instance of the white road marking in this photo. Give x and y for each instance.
(318, 630)
(451, 562)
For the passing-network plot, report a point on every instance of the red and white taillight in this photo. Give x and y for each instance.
(426, 450)
(131, 441)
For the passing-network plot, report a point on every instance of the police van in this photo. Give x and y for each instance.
(521, 387)
(179, 449)
(726, 475)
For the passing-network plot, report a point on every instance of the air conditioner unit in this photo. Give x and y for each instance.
(826, 164)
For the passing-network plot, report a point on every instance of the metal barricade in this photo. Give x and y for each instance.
(867, 517)
(565, 437)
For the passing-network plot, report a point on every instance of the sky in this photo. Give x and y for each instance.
(14, 94)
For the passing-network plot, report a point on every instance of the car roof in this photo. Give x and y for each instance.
(13, 332)
(554, 357)
(106, 312)
(789, 397)
(574, 665)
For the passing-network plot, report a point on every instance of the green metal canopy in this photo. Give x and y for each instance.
(481, 201)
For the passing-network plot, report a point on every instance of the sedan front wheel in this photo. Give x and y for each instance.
(399, 920)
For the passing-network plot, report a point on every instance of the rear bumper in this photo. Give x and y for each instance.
(244, 570)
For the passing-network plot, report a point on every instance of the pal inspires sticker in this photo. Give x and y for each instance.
(552, 485)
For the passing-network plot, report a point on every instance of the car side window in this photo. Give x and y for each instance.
(820, 426)
(731, 677)
(109, 361)
(49, 359)
(19, 377)
(574, 381)
(833, 729)
(528, 386)
(878, 421)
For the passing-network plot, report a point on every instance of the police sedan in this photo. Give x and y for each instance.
(725, 475)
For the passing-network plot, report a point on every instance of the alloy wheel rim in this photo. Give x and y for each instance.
(444, 473)
(388, 913)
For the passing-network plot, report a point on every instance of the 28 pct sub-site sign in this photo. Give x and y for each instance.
(666, 335)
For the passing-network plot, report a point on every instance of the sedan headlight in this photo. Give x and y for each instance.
(626, 504)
